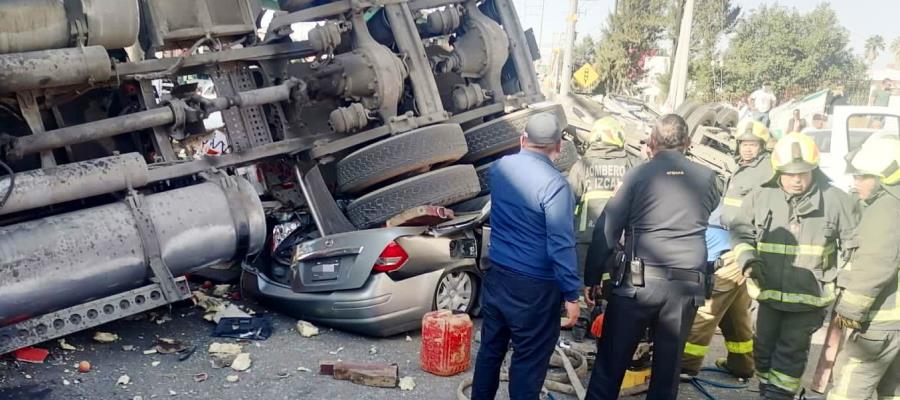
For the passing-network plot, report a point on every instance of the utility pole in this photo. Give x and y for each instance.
(566, 73)
(678, 83)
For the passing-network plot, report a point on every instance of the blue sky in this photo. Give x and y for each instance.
(862, 18)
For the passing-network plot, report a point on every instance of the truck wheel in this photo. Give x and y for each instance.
(400, 154)
(484, 177)
(686, 108)
(568, 156)
(472, 205)
(703, 115)
(727, 117)
(439, 188)
(503, 133)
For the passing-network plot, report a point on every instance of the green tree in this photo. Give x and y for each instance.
(874, 46)
(713, 19)
(631, 35)
(796, 52)
(895, 51)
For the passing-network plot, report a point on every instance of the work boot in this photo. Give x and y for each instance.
(722, 363)
(580, 330)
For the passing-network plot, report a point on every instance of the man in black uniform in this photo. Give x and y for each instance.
(662, 208)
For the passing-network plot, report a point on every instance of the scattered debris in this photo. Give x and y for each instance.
(169, 346)
(283, 375)
(232, 378)
(65, 346)
(377, 375)
(334, 353)
(201, 377)
(123, 380)
(66, 382)
(105, 337)
(253, 328)
(307, 329)
(27, 376)
(221, 290)
(127, 347)
(373, 350)
(231, 348)
(149, 352)
(155, 363)
(303, 369)
(173, 393)
(241, 362)
(138, 398)
(407, 383)
(84, 367)
(408, 338)
(162, 319)
(33, 355)
(186, 353)
(206, 285)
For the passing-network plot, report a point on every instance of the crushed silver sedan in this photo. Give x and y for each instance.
(376, 282)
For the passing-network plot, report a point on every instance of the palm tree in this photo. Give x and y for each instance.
(895, 49)
(874, 46)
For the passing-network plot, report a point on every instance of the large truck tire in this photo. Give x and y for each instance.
(471, 205)
(441, 187)
(503, 133)
(484, 177)
(703, 115)
(687, 108)
(568, 156)
(727, 117)
(398, 155)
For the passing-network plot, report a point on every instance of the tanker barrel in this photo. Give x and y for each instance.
(53, 68)
(31, 25)
(44, 187)
(90, 131)
(65, 260)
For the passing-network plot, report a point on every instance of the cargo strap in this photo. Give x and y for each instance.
(230, 189)
(151, 247)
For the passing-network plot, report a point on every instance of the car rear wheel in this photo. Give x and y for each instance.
(455, 291)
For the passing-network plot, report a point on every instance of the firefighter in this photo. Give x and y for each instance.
(728, 308)
(787, 238)
(595, 177)
(870, 304)
(754, 167)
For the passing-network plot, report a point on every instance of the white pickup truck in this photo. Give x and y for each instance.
(851, 127)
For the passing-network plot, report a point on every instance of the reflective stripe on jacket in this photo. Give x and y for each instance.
(746, 178)
(594, 179)
(796, 238)
(870, 282)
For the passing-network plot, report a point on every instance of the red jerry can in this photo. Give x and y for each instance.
(446, 343)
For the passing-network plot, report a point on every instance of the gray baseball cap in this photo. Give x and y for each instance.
(543, 128)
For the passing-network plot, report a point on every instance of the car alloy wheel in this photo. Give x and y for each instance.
(455, 292)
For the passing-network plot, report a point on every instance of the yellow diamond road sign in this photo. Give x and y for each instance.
(586, 76)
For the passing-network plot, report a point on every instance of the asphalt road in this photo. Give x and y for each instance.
(274, 373)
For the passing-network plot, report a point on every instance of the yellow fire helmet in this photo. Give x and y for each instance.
(749, 129)
(795, 153)
(878, 157)
(608, 130)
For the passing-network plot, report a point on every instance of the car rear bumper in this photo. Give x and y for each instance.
(381, 307)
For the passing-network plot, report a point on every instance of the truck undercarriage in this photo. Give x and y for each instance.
(109, 196)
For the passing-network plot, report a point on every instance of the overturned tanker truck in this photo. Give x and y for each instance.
(110, 111)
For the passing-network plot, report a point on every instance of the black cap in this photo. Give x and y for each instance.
(543, 128)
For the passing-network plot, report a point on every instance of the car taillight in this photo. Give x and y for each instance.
(391, 258)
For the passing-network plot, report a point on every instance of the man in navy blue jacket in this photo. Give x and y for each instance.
(533, 264)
